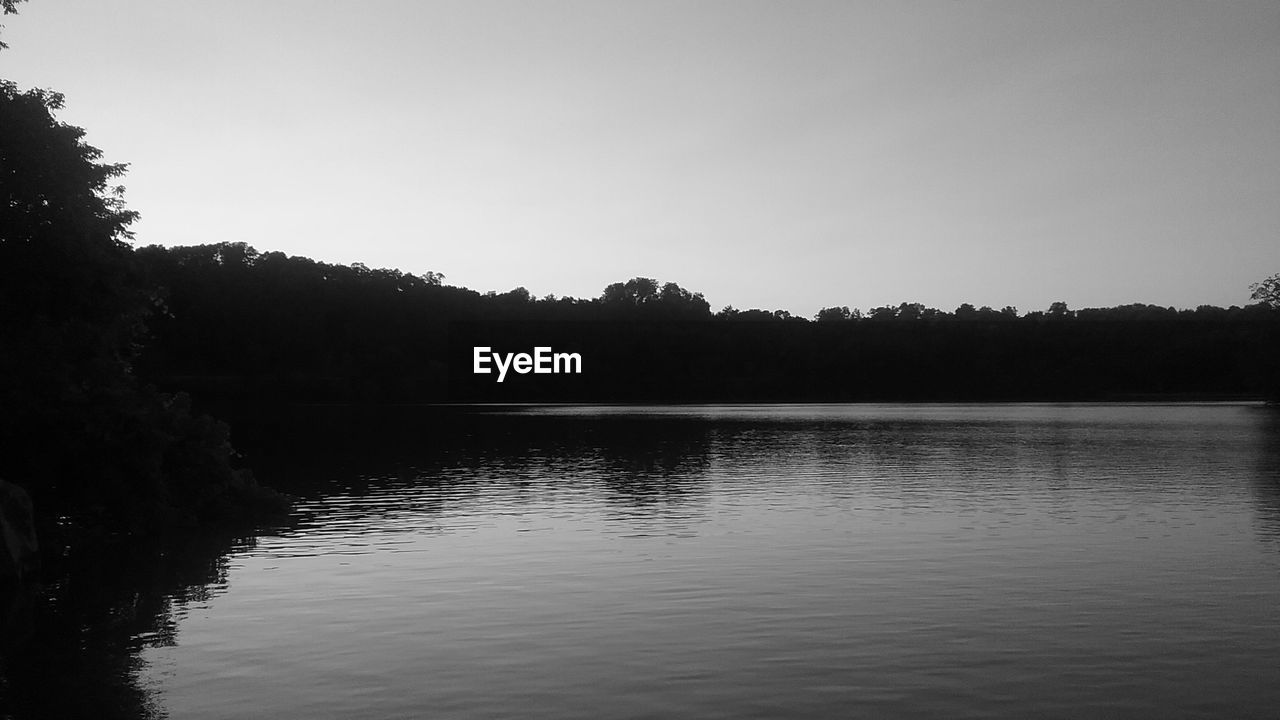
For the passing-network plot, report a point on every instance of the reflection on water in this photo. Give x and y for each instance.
(1265, 476)
(898, 561)
(72, 648)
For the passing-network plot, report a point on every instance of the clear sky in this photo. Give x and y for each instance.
(783, 154)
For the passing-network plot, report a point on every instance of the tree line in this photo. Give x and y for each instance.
(250, 328)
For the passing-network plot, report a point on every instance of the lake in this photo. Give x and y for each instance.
(887, 561)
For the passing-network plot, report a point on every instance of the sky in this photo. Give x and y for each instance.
(789, 154)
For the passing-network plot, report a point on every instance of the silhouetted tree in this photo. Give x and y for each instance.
(636, 291)
(1059, 311)
(1267, 291)
(71, 308)
(643, 297)
(10, 8)
(755, 315)
(882, 313)
(79, 431)
(828, 314)
(517, 297)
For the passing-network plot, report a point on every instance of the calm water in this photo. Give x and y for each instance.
(736, 562)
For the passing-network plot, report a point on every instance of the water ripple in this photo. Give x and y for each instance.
(980, 561)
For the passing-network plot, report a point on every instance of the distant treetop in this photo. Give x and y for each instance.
(644, 296)
(1267, 291)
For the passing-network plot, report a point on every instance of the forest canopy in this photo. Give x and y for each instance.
(255, 327)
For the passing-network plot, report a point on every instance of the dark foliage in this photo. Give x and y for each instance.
(10, 8)
(83, 436)
(1267, 291)
(246, 329)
